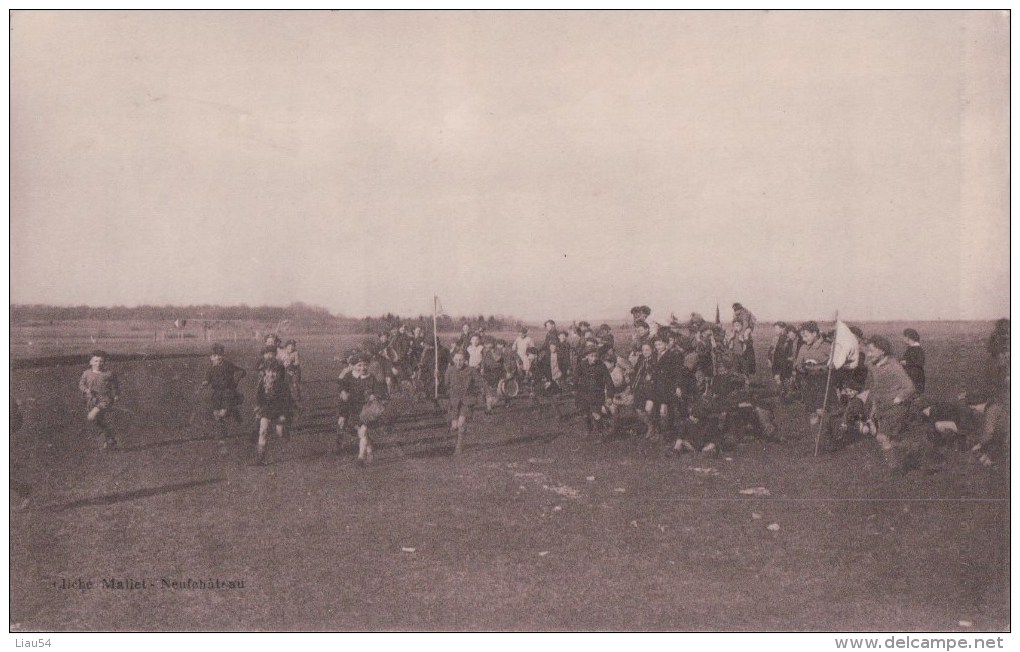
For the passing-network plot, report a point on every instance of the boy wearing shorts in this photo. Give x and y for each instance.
(358, 389)
(223, 377)
(464, 385)
(274, 405)
(101, 388)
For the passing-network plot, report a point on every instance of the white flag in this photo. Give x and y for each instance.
(845, 348)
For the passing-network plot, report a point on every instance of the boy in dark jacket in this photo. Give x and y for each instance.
(101, 388)
(593, 385)
(274, 405)
(223, 377)
(913, 359)
(357, 389)
(465, 386)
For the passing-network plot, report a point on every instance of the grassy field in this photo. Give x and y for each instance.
(534, 528)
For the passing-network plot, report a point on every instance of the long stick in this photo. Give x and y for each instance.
(711, 356)
(825, 400)
(435, 347)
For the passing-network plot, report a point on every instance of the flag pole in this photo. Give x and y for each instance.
(711, 356)
(828, 380)
(435, 347)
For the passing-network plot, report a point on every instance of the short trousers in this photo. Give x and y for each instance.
(459, 408)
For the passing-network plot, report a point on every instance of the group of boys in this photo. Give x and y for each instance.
(684, 382)
(877, 394)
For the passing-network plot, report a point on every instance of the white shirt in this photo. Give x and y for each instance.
(475, 355)
(653, 326)
(521, 346)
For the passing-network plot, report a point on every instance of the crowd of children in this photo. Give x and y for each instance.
(690, 384)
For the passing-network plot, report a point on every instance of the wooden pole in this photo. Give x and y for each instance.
(711, 356)
(435, 346)
(828, 381)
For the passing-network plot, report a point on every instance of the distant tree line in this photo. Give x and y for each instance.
(444, 323)
(301, 314)
(296, 311)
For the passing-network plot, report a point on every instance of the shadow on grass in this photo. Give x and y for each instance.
(122, 496)
(445, 449)
(213, 436)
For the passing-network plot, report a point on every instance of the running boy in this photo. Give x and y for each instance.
(101, 388)
(464, 385)
(274, 406)
(358, 389)
(288, 356)
(223, 377)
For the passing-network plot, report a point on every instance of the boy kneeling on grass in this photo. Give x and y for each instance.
(360, 405)
(101, 388)
(891, 394)
(967, 424)
(465, 387)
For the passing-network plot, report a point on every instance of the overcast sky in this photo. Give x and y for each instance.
(534, 164)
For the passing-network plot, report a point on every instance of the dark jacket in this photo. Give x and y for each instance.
(592, 382)
(463, 385)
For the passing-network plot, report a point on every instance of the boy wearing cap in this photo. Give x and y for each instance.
(812, 365)
(913, 358)
(644, 314)
(594, 384)
(101, 388)
(890, 394)
(223, 377)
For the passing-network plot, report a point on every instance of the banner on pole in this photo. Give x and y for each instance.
(845, 348)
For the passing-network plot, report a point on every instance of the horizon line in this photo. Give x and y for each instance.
(538, 320)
